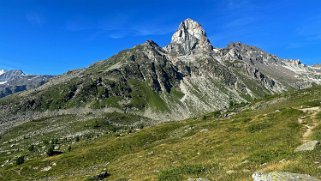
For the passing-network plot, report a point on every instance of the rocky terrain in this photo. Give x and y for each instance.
(14, 81)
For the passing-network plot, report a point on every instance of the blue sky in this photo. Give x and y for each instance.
(52, 37)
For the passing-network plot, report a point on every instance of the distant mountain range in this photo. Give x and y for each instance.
(13, 81)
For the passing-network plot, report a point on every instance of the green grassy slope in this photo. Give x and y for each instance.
(258, 136)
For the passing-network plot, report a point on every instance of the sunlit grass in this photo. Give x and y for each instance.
(262, 137)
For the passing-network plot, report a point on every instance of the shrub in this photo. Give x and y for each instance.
(45, 142)
(20, 160)
(96, 124)
(231, 103)
(31, 148)
(77, 138)
(318, 116)
(50, 150)
(54, 141)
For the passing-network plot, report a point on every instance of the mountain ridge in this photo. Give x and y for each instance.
(13, 81)
(188, 77)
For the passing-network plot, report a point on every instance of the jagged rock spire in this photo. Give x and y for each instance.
(189, 38)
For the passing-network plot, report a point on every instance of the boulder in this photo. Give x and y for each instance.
(197, 179)
(308, 146)
(284, 176)
(101, 176)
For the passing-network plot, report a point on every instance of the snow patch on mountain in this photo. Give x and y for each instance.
(2, 72)
(4, 82)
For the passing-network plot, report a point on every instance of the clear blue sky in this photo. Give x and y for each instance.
(54, 36)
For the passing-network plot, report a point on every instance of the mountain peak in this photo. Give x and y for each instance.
(192, 27)
(2, 71)
(151, 43)
(6, 75)
(189, 38)
(243, 51)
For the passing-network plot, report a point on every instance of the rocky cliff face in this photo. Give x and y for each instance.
(189, 38)
(14, 81)
(185, 78)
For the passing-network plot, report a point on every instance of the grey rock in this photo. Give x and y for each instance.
(246, 170)
(202, 179)
(189, 37)
(46, 169)
(229, 172)
(282, 176)
(57, 147)
(245, 162)
(197, 179)
(308, 146)
(101, 176)
(204, 130)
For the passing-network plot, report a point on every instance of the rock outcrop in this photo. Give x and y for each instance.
(189, 38)
(284, 176)
(197, 179)
(308, 146)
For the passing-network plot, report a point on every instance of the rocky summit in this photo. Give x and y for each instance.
(189, 37)
(14, 81)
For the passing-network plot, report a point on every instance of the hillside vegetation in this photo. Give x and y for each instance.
(224, 145)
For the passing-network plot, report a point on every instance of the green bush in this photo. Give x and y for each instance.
(313, 103)
(318, 116)
(31, 148)
(50, 150)
(54, 141)
(77, 138)
(45, 142)
(20, 160)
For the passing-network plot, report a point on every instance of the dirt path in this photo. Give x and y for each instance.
(308, 132)
(310, 113)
